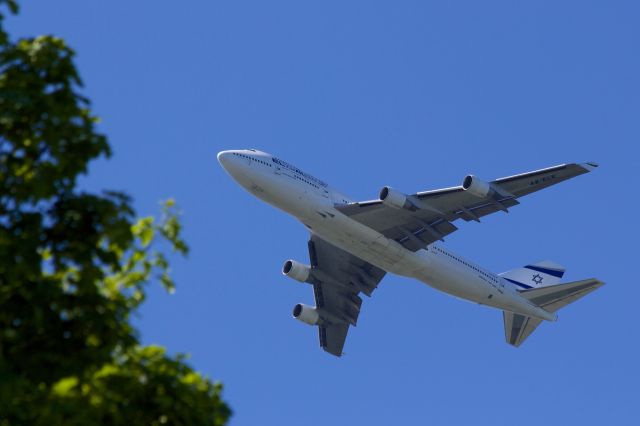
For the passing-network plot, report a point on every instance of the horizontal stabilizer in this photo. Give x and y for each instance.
(551, 298)
(518, 327)
(554, 297)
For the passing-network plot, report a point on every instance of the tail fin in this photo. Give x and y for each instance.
(551, 298)
(536, 275)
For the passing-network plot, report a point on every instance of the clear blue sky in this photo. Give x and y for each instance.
(413, 94)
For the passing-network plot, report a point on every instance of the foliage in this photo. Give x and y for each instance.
(74, 265)
(142, 377)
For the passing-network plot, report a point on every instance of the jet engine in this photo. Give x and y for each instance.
(306, 314)
(395, 199)
(475, 186)
(296, 270)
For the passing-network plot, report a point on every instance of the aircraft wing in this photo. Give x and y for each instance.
(425, 217)
(338, 278)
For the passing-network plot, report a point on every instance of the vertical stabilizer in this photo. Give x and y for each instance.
(535, 275)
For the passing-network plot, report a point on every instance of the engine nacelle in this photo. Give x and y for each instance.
(475, 186)
(296, 270)
(306, 314)
(395, 199)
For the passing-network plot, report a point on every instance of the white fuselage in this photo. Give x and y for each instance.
(312, 202)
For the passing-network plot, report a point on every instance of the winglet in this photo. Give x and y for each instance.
(589, 166)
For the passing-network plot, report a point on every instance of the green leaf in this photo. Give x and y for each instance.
(64, 387)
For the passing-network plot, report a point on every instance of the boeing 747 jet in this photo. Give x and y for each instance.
(353, 244)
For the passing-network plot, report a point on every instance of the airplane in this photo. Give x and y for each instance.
(353, 244)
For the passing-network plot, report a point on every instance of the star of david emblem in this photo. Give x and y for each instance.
(537, 279)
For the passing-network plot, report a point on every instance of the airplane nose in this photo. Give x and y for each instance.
(223, 156)
(232, 163)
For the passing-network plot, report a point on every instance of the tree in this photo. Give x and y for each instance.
(74, 265)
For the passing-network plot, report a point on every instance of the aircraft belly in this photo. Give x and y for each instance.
(449, 278)
(359, 240)
(450, 281)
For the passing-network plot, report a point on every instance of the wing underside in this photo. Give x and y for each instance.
(338, 278)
